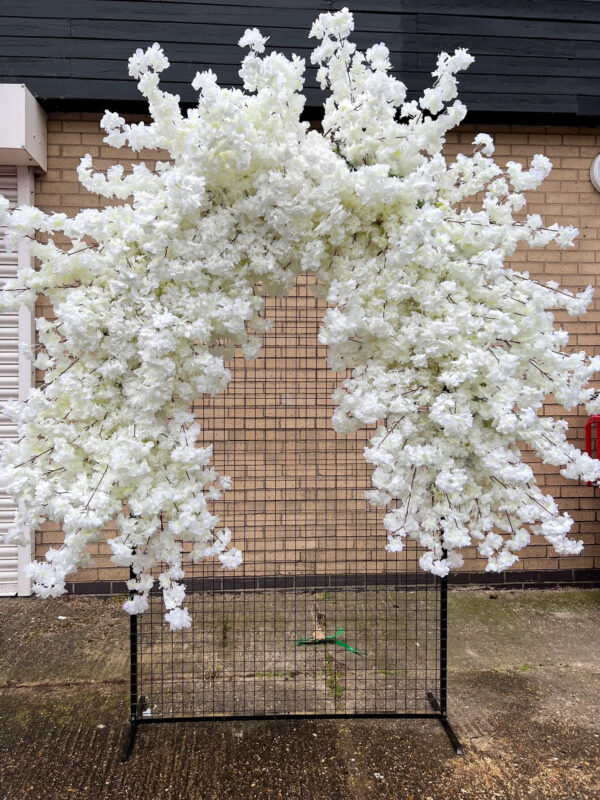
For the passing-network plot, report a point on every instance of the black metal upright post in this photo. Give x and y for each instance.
(134, 704)
(442, 706)
(444, 647)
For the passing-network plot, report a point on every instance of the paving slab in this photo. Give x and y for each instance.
(524, 689)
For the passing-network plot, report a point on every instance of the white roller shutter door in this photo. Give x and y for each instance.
(16, 374)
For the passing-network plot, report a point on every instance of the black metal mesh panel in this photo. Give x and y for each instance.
(314, 561)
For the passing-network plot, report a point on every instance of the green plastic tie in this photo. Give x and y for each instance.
(335, 638)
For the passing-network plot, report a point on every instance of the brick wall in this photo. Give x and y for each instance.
(567, 197)
(285, 407)
(70, 136)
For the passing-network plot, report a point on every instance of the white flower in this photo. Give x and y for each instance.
(136, 605)
(143, 60)
(451, 481)
(205, 81)
(432, 100)
(110, 121)
(379, 57)
(339, 24)
(178, 619)
(486, 143)
(174, 596)
(459, 60)
(566, 235)
(253, 39)
(231, 559)
(395, 544)
(4, 206)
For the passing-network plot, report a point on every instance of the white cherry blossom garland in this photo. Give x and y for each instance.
(450, 351)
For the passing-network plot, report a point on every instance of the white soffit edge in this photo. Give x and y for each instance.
(23, 130)
(595, 173)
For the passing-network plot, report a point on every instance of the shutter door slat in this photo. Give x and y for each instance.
(7, 431)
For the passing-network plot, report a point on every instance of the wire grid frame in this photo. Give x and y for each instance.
(319, 620)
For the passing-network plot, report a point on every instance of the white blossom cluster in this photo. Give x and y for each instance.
(451, 352)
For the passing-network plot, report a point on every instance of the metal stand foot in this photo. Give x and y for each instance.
(454, 740)
(129, 741)
(133, 726)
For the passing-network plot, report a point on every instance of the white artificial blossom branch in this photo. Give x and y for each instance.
(452, 349)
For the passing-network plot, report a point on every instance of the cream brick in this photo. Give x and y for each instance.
(76, 150)
(81, 126)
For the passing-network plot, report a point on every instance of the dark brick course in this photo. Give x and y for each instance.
(525, 579)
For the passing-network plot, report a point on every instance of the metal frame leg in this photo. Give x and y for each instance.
(445, 723)
(441, 707)
(136, 703)
(134, 724)
(129, 741)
